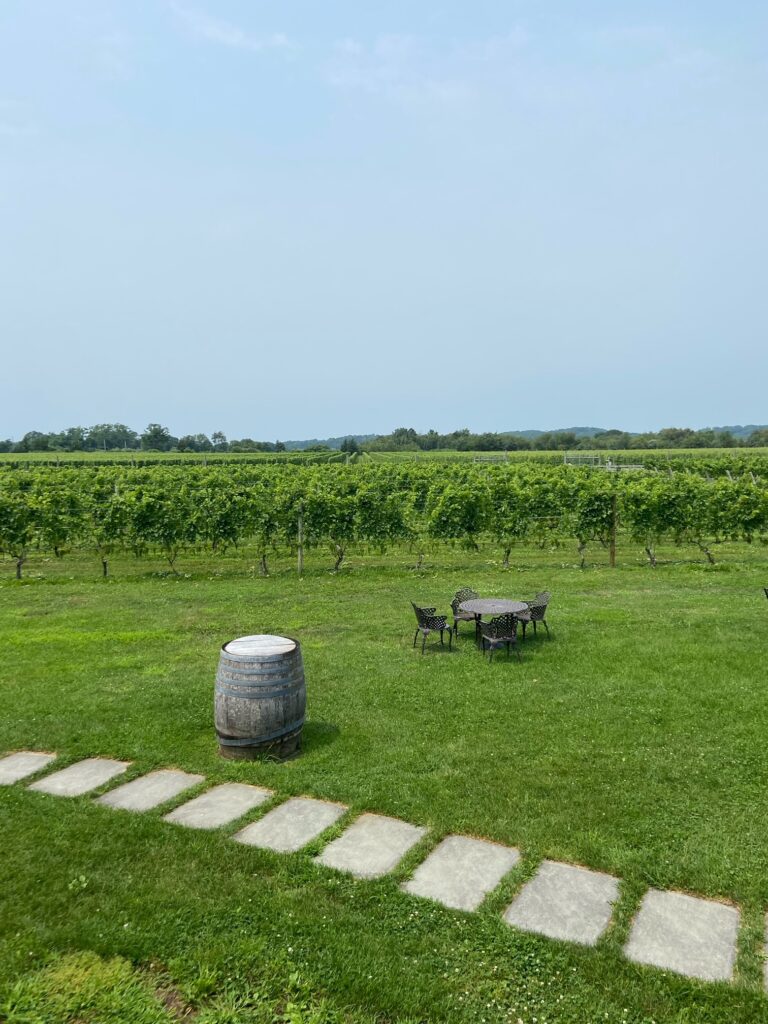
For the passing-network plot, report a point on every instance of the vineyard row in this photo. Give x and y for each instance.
(170, 510)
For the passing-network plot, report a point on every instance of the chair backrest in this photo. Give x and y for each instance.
(422, 613)
(538, 606)
(501, 627)
(465, 594)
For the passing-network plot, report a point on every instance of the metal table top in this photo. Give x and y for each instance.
(493, 606)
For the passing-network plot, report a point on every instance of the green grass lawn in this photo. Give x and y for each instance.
(633, 742)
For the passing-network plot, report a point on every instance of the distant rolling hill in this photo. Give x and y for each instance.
(331, 442)
(578, 431)
(740, 431)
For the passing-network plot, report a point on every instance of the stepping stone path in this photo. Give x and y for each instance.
(219, 806)
(676, 932)
(18, 766)
(150, 791)
(685, 934)
(565, 902)
(460, 872)
(81, 777)
(291, 825)
(372, 846)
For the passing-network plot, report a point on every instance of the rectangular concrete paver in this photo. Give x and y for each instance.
(22, 764)
(219, 806)
(150, 791)
(372, 846)
(565, 902)
(81, 777)
(291, 825)
(460, 872)
(686, 934)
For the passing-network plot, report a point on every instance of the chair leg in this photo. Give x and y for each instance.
(442, 642)
(415, 637)
(534, 627)
(450, 640)
(490, 656)
(517, 652)
(523, 623)
(423, 642)
(544, 622)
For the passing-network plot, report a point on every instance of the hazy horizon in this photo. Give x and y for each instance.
(283, 220)
(521, 431)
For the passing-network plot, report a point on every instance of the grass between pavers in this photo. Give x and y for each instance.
(225, 921)
(632, 743)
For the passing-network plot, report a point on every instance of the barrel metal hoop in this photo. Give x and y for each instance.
(250, 693)
(228, 679)
(256, 677)
(251, 741)
(289, 664)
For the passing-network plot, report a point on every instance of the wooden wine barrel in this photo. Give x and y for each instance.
(260, 697)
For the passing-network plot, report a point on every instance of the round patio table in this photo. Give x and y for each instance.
(480, 606)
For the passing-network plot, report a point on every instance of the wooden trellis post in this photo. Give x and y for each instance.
(300, 532)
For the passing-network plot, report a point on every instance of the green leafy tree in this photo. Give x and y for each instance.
(33, 441)
(194, 443)
(157, 438)
(111, 436)
(73, 439)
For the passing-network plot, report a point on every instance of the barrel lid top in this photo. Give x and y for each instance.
(260, 644)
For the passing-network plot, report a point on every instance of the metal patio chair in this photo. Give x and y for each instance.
(501, 630)
(465, 594)
(428, 623)
(537, 612)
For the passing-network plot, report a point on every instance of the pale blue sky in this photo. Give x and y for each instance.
(305, 219)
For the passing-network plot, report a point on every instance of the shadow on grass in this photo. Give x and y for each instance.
(317, 735)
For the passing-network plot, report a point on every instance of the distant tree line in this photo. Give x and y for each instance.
(156, 437)
(407, 439)
(116, 436)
